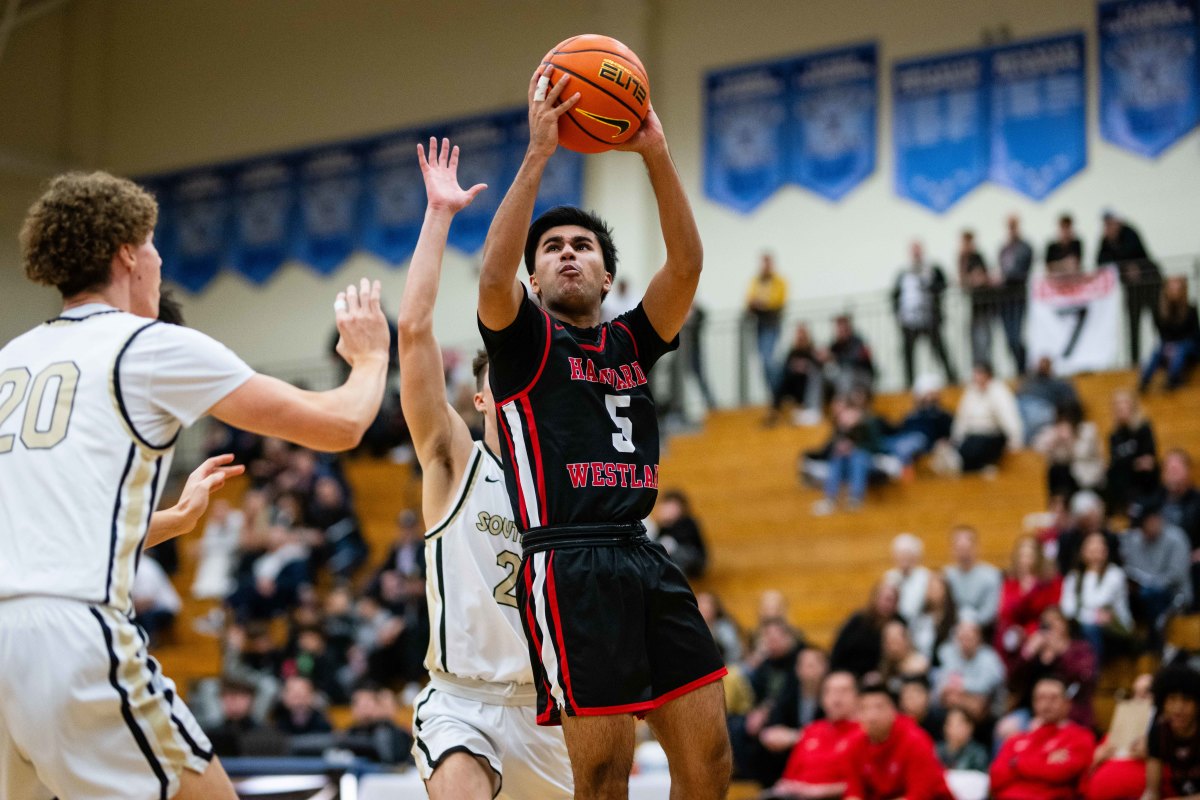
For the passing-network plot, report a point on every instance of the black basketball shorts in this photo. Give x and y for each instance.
(612, 625)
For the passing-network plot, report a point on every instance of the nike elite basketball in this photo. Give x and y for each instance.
(614, 92)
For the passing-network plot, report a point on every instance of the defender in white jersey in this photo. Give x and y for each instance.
(474, 725)
(91, 404)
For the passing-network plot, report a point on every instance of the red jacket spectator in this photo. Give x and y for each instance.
(1048, 762)
(1021, 610)
(819, 757)
(902, 765)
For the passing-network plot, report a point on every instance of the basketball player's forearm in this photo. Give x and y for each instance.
(685, 251)
(505, 244)
(352, 407)
(424, 275)
(167, 524)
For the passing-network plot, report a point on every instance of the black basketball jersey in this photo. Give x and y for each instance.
(578, 429)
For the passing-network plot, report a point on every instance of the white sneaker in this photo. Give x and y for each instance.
(824, 507)
(808, 417)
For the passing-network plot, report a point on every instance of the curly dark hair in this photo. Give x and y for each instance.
(74, 229)
(1176, 679)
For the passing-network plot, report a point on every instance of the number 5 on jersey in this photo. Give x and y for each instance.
(44, 424)
(623, 439)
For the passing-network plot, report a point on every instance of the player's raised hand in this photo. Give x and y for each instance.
(649, 136)
(440, 171)
(545, 108)
(205, 480)
(360, 321)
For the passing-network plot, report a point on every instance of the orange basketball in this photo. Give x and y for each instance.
(614, 92)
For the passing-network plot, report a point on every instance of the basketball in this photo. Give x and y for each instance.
(614, 92)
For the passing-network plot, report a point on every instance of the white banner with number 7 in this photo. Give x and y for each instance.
(1075, 320)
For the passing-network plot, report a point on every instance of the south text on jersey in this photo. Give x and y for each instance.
(498, 525)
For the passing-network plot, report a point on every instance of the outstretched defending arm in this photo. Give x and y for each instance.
(499, 291)
(440, 437)
(671, 291)
(205, 481)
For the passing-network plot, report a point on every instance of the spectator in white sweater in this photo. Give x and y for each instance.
(909, 576)
(986, 422)
(1095, 594)
(974, 584)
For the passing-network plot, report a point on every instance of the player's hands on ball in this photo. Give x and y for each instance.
(649, 137)
(205, 480)
(440, 171)
(360, 321)
(545, 113)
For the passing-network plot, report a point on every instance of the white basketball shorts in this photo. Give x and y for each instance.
(85, 712)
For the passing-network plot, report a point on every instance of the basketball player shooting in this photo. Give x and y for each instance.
(613, 627)
(91, 404)
(474, 730)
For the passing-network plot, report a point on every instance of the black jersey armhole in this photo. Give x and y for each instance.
(116, 377)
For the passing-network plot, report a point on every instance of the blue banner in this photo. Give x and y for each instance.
(320, 205)
(833, 120)
(1149, 73)
(746, 135)
(1039, 114)
(940, 128)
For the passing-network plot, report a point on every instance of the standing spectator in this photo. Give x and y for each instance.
(679, 533)
(1181, 506)
(1121, 245)
(1054, 650)
(1096, 594)
(974, 584)
(1178, 335)
(622, 298)
(917, 304)
(799, 379)
(1031, 587)
(1173, 745)
(977, 283)
(922, 429)
(850, 365)
(764, 303)
(971, 676)
(218, 551)
(1071, 447)
(1016, 262)
(895, 758)
(958, 749)
(909, 576)
(817, 768)
(854, 441)
(155, 601)
(986, 422)
(724, 629)
(1156, 556)
(1042, 396)
(691, 344)
(858, 648)
(1132, 454)
(1087, 517)
(298, 712)
(1050, 760)
(1064, 255)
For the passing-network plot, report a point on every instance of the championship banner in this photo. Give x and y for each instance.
(833, 120)
(1039, 111)
(746, 135)
(940, 128)
(1149, 73)
(1073, 320)
(322, 204)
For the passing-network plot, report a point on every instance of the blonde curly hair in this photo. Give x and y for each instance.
(74, 229)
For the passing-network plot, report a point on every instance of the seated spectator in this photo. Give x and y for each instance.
(916, 702)
(958, 749)
(1119, 764)
(339, 623)
(974, 584)
(1071, 447)
(155, 601)
(855, 440)
(275, 580)
(373, 733)
(817, 768)
(1178, 335)
(985, 424)
(1181, 507)
(1132, 454)
(1096, 595)
(971, 676)
(679, 533)
(298, 711)
(900, 658)
(799, 380)
(400, 581)
(310, 658)
(1087, 517)
(250, 655)
(218, 549)
(926, 425)
(724, 628)
(849, 364)
(858, 647)
(339, 544)
(1173, 745)
(237, 718)
(774, 669)
(1055, 650)
(773, 607)
(895, 758)
(1042, 396)
(909, 576)
(1049, 760)
(937, 619)
(798, 707)
(1156, 557)
(1031, 587)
